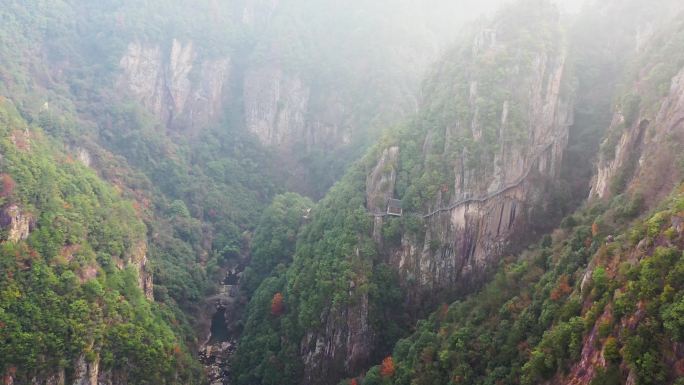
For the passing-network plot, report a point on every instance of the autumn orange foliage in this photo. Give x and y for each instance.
(387, 368)
(594, 229)
(20, 139)
(353, 382)
(562, 289)
(8, 185)
(277, 306)
(443, 311)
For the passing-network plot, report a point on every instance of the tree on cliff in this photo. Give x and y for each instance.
(277, 306)
(8, 185)
(387, 368)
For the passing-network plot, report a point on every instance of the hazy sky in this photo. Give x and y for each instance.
(571, 5)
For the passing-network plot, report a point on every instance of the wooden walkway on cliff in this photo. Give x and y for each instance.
(481, 199)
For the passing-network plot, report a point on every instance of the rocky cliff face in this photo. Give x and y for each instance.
(181, 89)
(275, 106)
(642, 159)
(474, 182)
(17, 223)
(470, 223)
(84, 373)
(138, 259)
(343, 346)
(647, 157)
(278, 111)
(380, 187)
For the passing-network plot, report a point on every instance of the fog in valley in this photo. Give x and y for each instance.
(323, 192)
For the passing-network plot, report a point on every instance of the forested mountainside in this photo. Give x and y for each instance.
(75, 291)
(493, 160)
(292, 73)
(184, 109)
(598, 301)
(198, 115)
(151, 153)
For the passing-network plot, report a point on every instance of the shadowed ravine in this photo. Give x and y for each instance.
(221, 342)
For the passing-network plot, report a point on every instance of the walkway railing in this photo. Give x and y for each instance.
(481, 199)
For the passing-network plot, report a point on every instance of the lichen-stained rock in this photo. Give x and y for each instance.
(380, 182)
(518, 125)
(182, 90)
(275, 106)
(17, 223)
(138, 259)
(83, 155)
(634, 157)
(86, 372)
(343, 346)
(380, 187)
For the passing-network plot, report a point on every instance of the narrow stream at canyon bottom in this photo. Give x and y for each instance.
(221, 343)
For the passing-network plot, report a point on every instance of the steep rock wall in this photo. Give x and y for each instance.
(472, 183)
(647, 156)
(278, 110)
(138, 259)
(470, 224)
(275, 106)
(181, 89)
(343, 346)
(17, 223)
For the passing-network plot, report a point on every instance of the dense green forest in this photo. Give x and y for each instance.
(197, 198)
(529, 324)
(336, 248)
(63, 297)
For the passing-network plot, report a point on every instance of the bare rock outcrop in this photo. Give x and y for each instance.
(471, 223)
(342, 346)
(647, 150)
(86, 372)
(275, 106)
(183, 90)
(17, 223)
(138, 259)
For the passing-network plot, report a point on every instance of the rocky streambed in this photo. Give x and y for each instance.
(221, 342)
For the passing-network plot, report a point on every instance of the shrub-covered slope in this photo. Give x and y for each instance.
(597, 301)
(586, 305)
(493, 126)
(479, 172)
(73, 268)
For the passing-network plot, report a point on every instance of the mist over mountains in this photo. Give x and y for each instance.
(319, 192)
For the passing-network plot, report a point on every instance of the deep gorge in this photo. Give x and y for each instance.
(322, 193)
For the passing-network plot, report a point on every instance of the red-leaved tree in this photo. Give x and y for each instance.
(277, 306)
(387, 368)
(8, 185)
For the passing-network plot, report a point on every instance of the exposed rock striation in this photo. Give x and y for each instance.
(646, 156)
(472, 178)
(138, 259)
(275, 106)
(471, 223)
(17, 223)
(183, 90)
(343, 346)
(85, 372)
